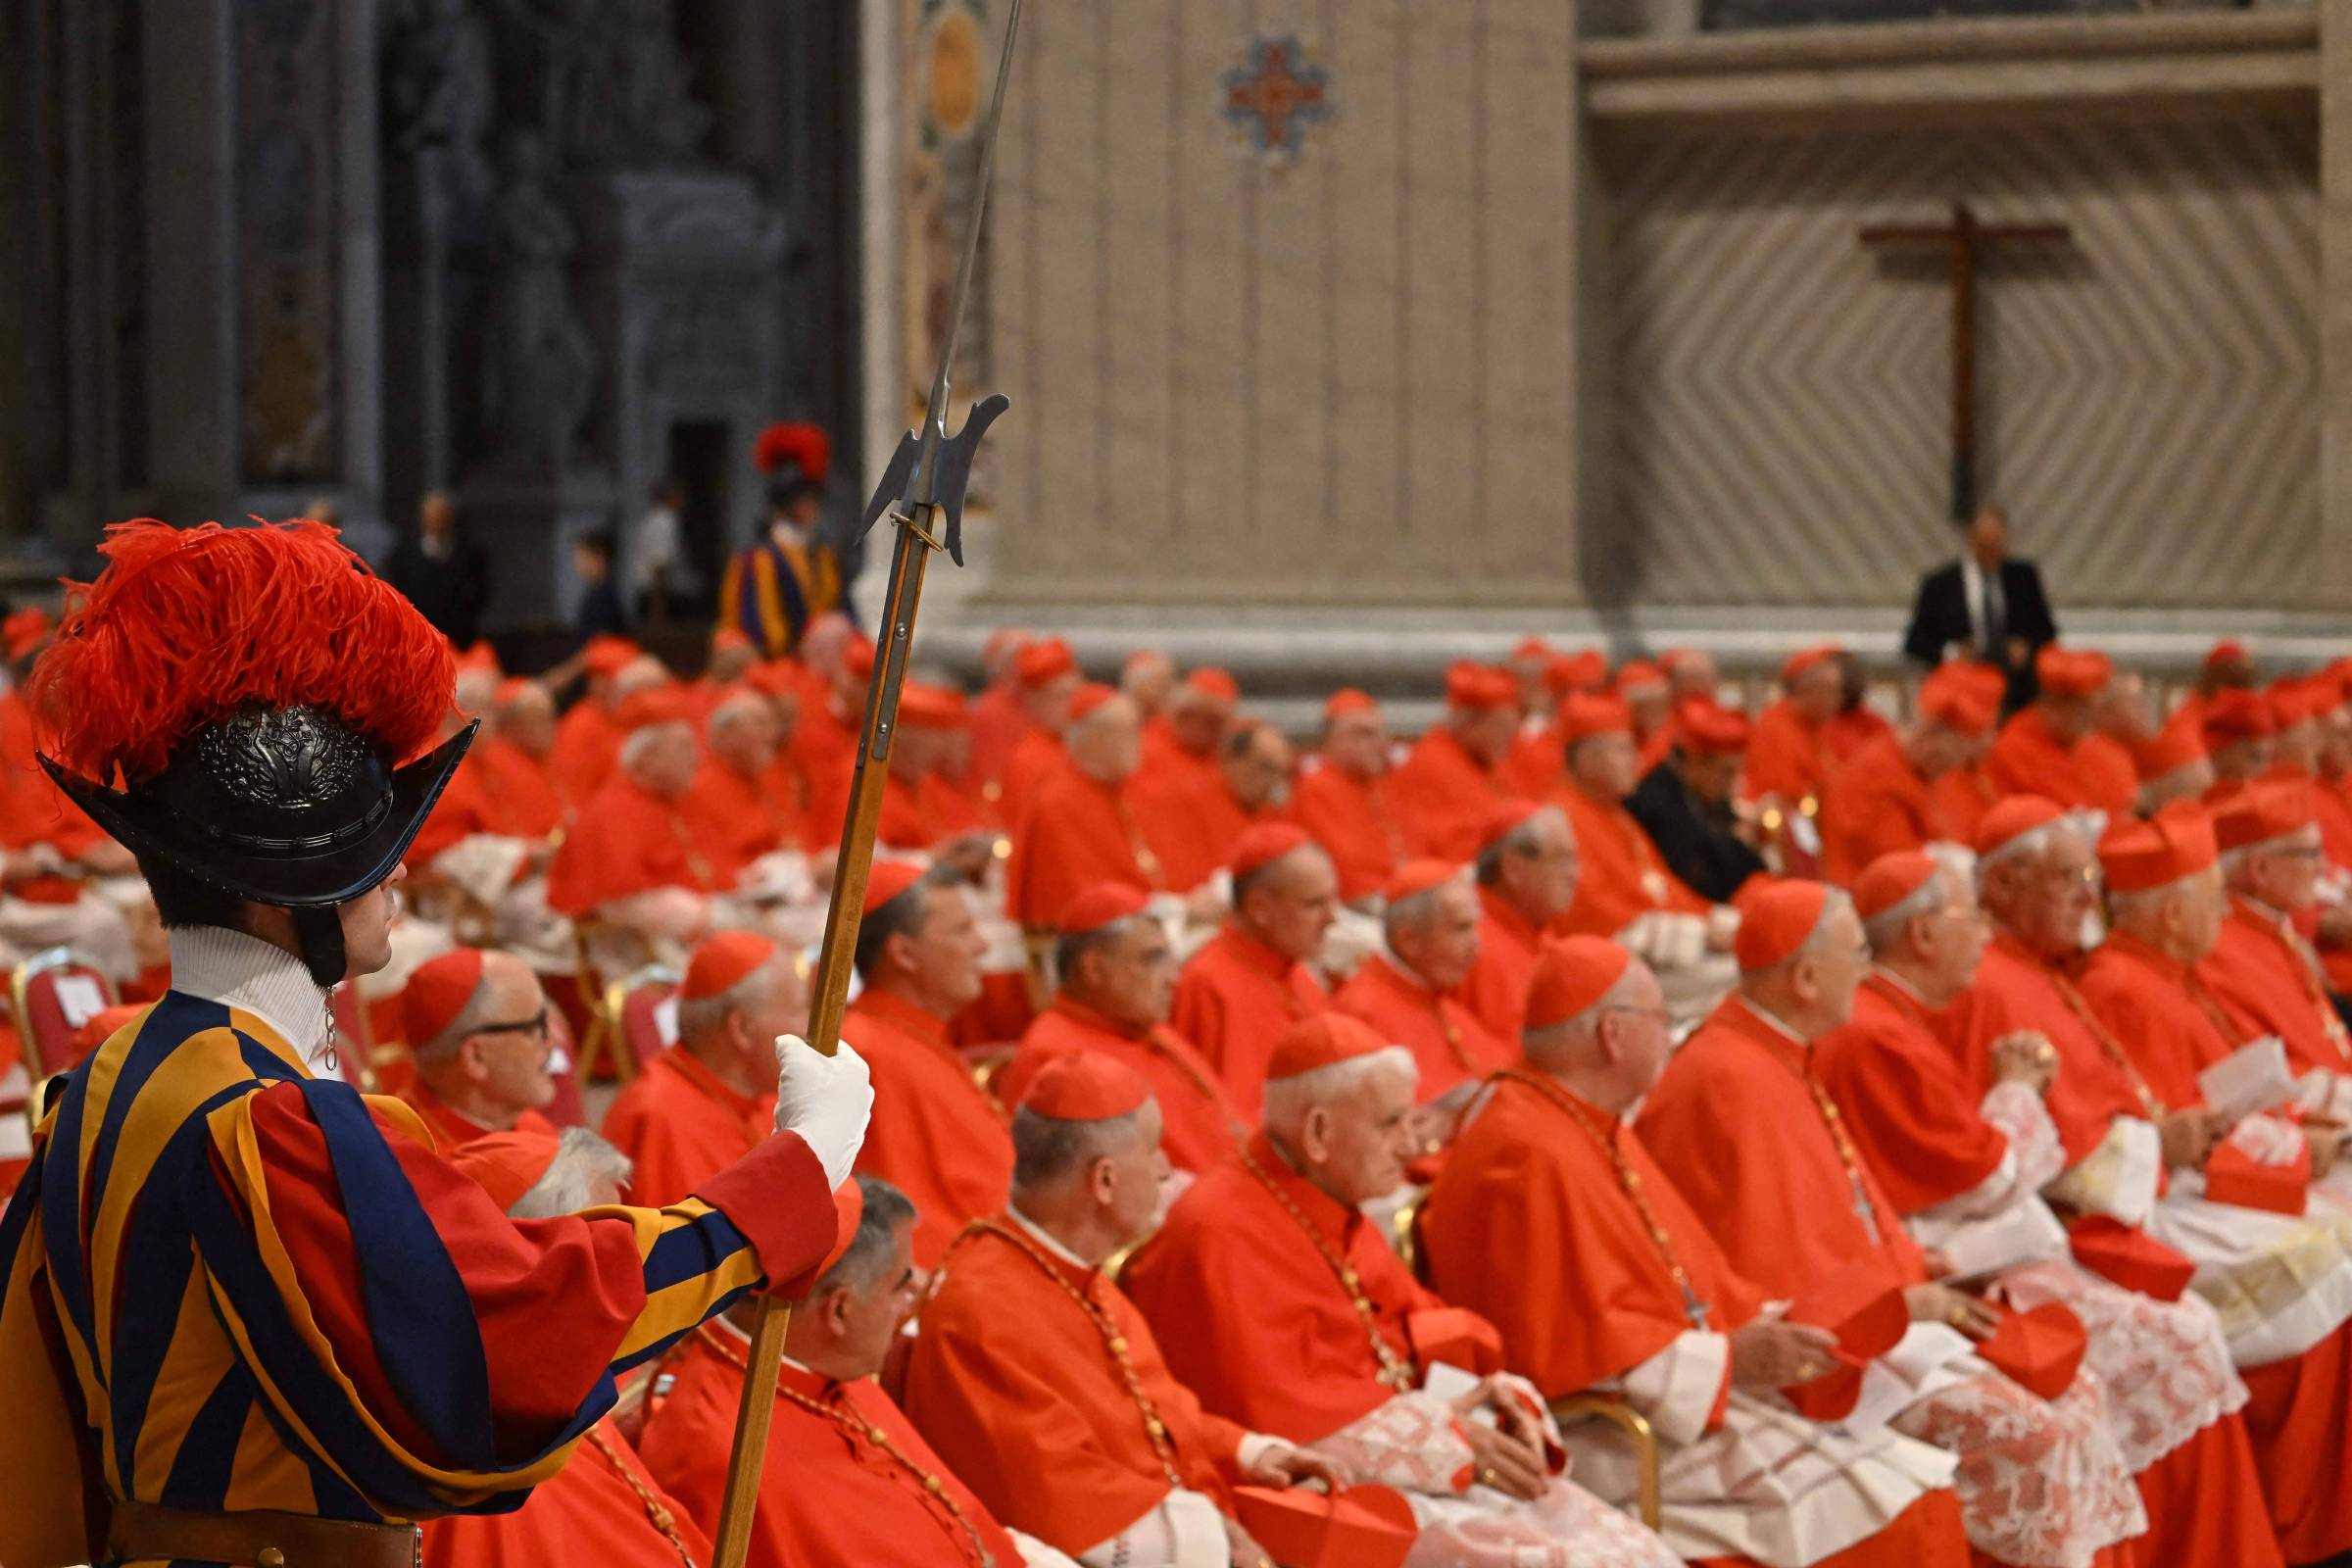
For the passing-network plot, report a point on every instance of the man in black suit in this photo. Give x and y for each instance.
(1988, 605)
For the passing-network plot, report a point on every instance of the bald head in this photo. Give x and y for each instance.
(1290, 901)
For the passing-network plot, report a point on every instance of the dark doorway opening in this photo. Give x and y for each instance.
(699, 453)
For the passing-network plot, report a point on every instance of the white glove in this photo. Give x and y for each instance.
(826, 1099)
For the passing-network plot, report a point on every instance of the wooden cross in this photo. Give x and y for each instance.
(1961, 240)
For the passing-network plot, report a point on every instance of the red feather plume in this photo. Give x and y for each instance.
(803, 444)
(186, 625)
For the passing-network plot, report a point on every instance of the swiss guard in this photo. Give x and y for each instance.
(787, 577)
(251, 1315)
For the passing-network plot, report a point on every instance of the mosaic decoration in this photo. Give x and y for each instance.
(1274, 96)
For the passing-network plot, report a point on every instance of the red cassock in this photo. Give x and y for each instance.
(1495, 987)
(1962, 798)
(825, 738)
(786, 783)
(2108, 774)
(1447, 1040)
(1735, 1124)
(1909, 1107)
(1619, 875)
(1535, 763)
(1201, 1123)
(1754, 1141)
(948, 809)
(1047, 1425)
(2028, 760)
(462, 810)
(1235, 998)
(1167, 761)
(678, 1124)
(524, 804)
(452, 1127)
(1876, 804)
(1037, 760)
(2265, 970)
(2163, 1013)
(729, 816)
(1356, 824)
(1078, 832)
(1443, 796)
(1595, 1297)
(906, 821)
(2299, 1409)
(1786, 757)
(1849, 730)
(586, 749)
(935, 1135)
(32, 809)
(603, 1508)
(2299, 1413)
(1912, 1116)
(2015, 990)
(848, 1481)
(998, 721)
(1250, 1312)
(1190, 822)
(638, 842)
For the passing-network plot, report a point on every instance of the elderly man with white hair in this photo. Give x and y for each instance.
(2284, 1316)
(1070, 1426)
(2260, 963)
(1965, 1169)
(1748, 1132)
(701, 1104)
(483, 1036)
(1408, 990)
(1283, 1307)
(1527, 871)
(1551, 1219)
(635, 867)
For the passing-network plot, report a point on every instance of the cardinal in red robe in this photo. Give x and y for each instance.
(1080, 830)
(2035, 754)
(1343, 796)
(1251, 981)
(1073, 1429)
(1884, 798)
(847, 1480)
(1787, 758)
(1965, 1170)
(936, 1134)
(706, 1100)
(1527, 872)
(642, 841)
(2261, 964)
(1283, 1307)
(1193, 819)
(1118, 975)
(1620, 876)
(1615, 1283)
(1746, 1131)
(1450, 779)
(2121, 1138)
(1407, 991)
(1182, 745)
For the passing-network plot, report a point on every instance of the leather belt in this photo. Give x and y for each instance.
(141, 1532)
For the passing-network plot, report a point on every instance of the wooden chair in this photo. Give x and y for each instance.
(593, 997)
(1406, 1233)
(52, 994)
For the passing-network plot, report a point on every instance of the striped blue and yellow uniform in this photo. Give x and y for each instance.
(232, 1285)
(775, 587)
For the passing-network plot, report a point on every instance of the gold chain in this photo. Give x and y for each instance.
(859, 1428)
(1834, 1121)
(2108, 1046)
(1114, 1341)
(661, 1516)
(1394, 1372)
(2307, 965)
(1693, 1307)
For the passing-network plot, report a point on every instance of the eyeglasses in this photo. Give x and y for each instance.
(535, 1026)
(1657, 1015)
